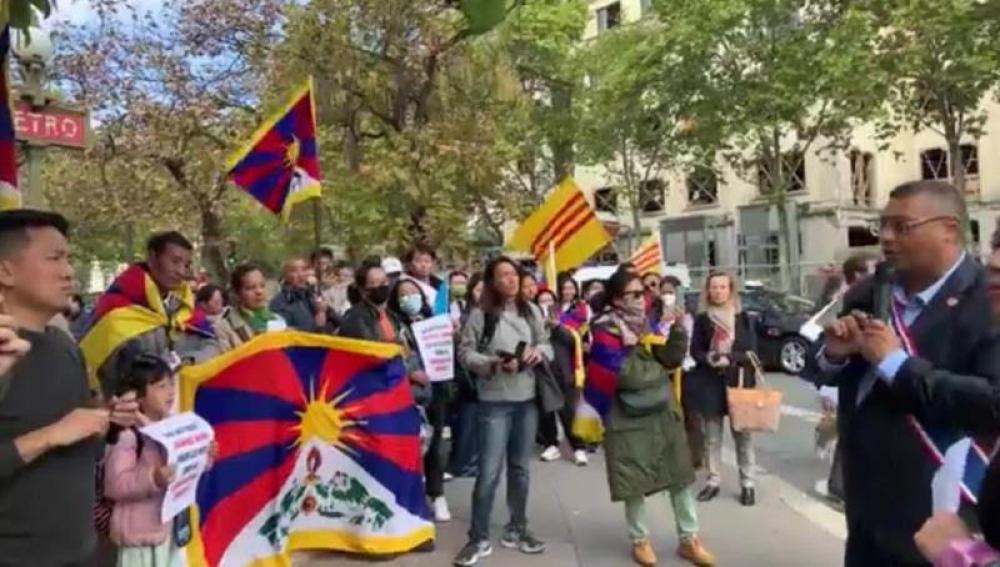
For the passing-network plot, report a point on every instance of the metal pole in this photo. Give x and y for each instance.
(317, 223)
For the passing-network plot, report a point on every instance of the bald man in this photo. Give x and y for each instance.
(299, 303)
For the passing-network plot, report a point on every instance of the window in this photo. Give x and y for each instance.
(862, 172)
(860, 236)
(609, 17)
(934, 164)
(793, 170)
(652, 194)
(605, 200)
(703, 187)
(970, 159)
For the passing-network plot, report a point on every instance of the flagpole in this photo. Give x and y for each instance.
(317, 224)
(550, 269)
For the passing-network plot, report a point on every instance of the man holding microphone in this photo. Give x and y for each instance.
(926, 310)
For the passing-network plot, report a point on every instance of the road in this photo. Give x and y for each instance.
(571, 510)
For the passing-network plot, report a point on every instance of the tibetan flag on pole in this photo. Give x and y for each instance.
(318, 448)
(10, 197)
(565, 223)
(280, 165)
(648, 258)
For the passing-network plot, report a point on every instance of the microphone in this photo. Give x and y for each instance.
(881, 306)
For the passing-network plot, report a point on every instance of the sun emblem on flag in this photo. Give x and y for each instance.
(324, 420)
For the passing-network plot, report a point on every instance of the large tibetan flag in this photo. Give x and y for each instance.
(318, 448)
(648, 258)
(280, 165)
(565, 224)
(10, 197)
(130, 307)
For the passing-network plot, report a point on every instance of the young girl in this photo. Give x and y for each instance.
(136, 473)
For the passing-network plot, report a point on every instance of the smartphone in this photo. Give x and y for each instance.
(519, 351)
(506, 356)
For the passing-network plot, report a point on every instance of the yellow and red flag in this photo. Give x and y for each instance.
(648, 258)
(564, 224)
(10, 197)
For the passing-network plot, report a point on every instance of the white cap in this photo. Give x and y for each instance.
(392, 265)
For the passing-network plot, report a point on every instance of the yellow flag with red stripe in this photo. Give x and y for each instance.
(648, 258)
(564, 223)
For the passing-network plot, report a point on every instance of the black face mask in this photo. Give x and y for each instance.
(378, 295)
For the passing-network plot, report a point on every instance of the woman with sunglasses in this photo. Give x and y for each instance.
(645, 443)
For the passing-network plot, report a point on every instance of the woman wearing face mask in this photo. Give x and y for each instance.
(409, 305)
(720, 345)
(670, 297)
(630, 372)
(249, 316)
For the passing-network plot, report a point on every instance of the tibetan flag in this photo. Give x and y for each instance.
(10, 197)
(318, 448)
(607, 355)
(132, 306)
(280, 166)
(648, 258)
(565, 223)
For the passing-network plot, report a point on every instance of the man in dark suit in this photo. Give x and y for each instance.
(941, 323)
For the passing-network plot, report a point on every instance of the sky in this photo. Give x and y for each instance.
(80, 11)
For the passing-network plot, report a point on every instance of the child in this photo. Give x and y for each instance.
(136, 473)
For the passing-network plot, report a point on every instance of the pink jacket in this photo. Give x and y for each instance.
(128, 482)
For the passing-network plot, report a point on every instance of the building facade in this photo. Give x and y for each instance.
(707, 220)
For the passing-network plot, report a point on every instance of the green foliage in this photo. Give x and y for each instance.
(25, 13)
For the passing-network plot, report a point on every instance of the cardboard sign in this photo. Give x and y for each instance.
(436, 341)
(186, 438)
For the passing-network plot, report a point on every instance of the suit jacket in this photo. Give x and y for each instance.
(948, 383)
(707, 384)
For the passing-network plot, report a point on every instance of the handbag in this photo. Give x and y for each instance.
(550, 394)
(754, 409)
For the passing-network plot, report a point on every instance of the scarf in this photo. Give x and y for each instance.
(257, 319)
(723, 328)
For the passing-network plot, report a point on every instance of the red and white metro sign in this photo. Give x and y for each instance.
(50, 125)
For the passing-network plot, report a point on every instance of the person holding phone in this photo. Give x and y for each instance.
(503, 340)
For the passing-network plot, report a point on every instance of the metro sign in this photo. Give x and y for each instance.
(50, 125)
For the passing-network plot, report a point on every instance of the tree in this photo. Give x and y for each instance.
(771, 81)
(21, 14)
(942, 60)
(175, 91)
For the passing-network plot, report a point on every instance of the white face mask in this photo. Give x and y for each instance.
(669, 299)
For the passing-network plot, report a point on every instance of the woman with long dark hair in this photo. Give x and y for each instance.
(249, 315)
(631, 366)
(721, 344)
(503, 340)
(465, 439)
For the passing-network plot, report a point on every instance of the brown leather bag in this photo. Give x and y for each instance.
(754, 409)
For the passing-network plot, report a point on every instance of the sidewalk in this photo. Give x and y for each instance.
(570, 508)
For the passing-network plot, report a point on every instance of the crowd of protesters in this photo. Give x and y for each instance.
(61, 418)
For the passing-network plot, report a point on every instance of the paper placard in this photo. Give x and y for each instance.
(436, 341)
(186, 438)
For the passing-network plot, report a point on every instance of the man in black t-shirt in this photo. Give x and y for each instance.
(50, 424)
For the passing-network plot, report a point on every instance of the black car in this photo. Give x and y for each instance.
(777, 318)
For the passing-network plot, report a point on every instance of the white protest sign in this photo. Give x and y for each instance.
(436, 341)
(186, 439)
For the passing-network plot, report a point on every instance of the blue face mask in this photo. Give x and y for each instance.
(411, 304)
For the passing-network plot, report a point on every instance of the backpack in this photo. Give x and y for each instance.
(103, 506)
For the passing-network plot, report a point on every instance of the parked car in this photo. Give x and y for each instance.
(777, 318)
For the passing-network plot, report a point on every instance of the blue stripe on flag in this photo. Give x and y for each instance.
(219, 405)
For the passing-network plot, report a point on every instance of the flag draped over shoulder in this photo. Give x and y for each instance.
(10, 197)
(280, 165)
(566, 223)
(318, 448)
(132, 306)
(648, 258)
(607, 354)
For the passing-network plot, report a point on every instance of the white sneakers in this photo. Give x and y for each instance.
(441, 512)
(580, 458)
(551, 454)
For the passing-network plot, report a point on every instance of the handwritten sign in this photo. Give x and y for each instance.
(186, 439)
(436, 341)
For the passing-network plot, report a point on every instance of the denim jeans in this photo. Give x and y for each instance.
(465, 439)
(506, 429)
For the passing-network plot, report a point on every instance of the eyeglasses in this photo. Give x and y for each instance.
(653, 285)
(902, 226)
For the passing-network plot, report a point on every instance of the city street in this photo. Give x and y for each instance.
(571, 510)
